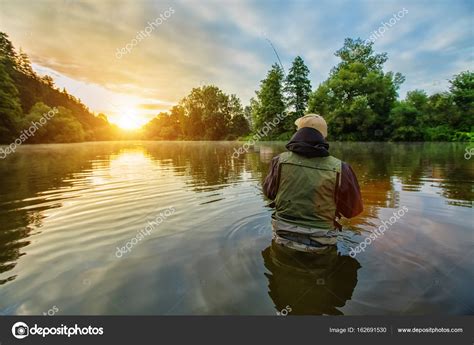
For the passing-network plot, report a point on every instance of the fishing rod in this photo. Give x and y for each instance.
(276, 53)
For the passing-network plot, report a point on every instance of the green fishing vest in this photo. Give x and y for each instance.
(307, 190)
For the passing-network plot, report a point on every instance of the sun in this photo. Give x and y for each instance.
(129, 121)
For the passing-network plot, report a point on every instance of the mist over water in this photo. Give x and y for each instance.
(67, 208)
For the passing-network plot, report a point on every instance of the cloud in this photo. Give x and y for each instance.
(154, 106)
(223, 43)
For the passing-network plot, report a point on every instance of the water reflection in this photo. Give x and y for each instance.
(209, 165)
(66, 205)
(309, 284)
(34, 180)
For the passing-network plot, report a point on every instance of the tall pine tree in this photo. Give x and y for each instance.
(269, 102)
(10, 109)
(297, 90)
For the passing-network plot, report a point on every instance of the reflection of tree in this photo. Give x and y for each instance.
(209, 164)
(36, 174)
(309, 284)
(25, 178)
(434, 164)
(452, 171)
(414, 165)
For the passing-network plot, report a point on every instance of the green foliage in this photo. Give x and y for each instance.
(8, 55)
(403, 123)
(439, 133)
(463, 136)
(239, 124)
(269, 101)
(63, 127)
(357, 97)
(10, 109)
(24, 94)
(358, 100)
(297, 89)
(462, 89)
(357, 51)
(433, 118)
(206, 113)
(165, 126)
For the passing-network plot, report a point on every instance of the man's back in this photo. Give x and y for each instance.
(306, 190)
(311, 189)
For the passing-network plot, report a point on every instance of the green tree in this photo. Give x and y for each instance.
(10, 109)
(235, 106)
(358, 96)
(63, 127)
(462, 89)
(207, 113)
(320, 102)
(7, 52)
(32, 89)
(405, 117)
(297, 89)
(23, 65)
(429, 118)
(269, 101)
(248, 114)
(238, 124)
(165, 126)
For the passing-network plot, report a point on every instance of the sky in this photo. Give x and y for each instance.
(186, 44)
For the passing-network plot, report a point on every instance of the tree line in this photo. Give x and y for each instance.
(25, 97)
(359, 101)
(207, 113)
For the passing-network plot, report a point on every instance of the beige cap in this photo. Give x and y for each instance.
(313, 121)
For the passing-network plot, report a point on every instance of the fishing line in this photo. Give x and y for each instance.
(276, 53)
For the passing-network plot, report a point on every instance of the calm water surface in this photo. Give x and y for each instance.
(66, 208)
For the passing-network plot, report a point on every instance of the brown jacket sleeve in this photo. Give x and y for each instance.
(270, 185)
(349, 199)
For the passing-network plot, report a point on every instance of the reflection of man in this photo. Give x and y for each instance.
(311, 190)
(309, 284)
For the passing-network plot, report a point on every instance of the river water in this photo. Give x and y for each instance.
(183, 228)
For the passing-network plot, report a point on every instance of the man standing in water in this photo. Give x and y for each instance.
(311, 190)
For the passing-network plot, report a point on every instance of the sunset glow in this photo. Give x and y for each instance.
(61, 47)
(127, 122)
(130, 120)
